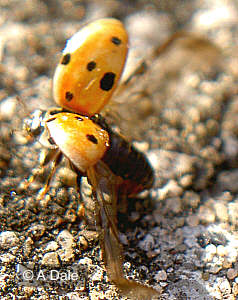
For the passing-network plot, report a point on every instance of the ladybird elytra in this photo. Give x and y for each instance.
(91, 66)
(81, 140)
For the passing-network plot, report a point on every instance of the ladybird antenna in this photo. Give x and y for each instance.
(23, 104)
(26, 127)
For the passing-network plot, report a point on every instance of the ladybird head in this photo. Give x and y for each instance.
(91, 66)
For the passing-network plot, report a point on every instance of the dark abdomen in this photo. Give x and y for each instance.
(128, 163)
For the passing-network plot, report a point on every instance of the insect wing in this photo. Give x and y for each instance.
(105, 189)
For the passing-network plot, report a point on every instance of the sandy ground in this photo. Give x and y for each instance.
(181, 236)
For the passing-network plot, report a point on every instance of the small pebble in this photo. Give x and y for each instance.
(123, 239)
(161, 276)
(221, 250)
(193, 220)
(221, 211)
(65, 239)
(50, 259)
(171, 189)
(8, 239)
(224, 286)
(98, 275)
(215, 269)
(205, 276)
(235, 288)
(233, 212)
(228, 180)
(191, 199)
(226, 264)
(220, 15)
(141, 146)
(206, 214)
(51, 246)
(211, 249)
(37, 230)
(231, 273)
(134, 216)
(66, 254)
(154, 253)
(27, 247)
(147, 244)
(8, 108)
(7, 258)
(173, 205)
(186, 180)
(210, 252)
(86, 261)
(82, 242)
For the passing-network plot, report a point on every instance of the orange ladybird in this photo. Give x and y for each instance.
(91, 66)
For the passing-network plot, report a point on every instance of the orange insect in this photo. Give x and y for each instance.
(91, 67)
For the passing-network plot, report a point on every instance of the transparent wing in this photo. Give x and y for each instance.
(149, 98)
(105, 191)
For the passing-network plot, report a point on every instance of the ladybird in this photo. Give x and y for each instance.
(91, 66)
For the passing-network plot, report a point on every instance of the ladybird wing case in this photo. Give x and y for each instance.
(81, 140)
(91, 66)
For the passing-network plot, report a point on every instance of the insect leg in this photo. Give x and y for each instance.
(45, 157)
(55, 163)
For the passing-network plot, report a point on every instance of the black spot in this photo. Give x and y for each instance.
(116, 40)
(51, 141)
(92, 138)
(69, 96)
(78, 118)
(91, 65)
(65, 59)
(106, 83)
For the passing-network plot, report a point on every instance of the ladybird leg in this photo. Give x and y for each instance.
(55, 163)
(78, 180)
(169, 42)
(143, 66)
(81, 208)
(139, 71)
(87, 207)
(46, 156)
(79, 175)
(24, 106)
